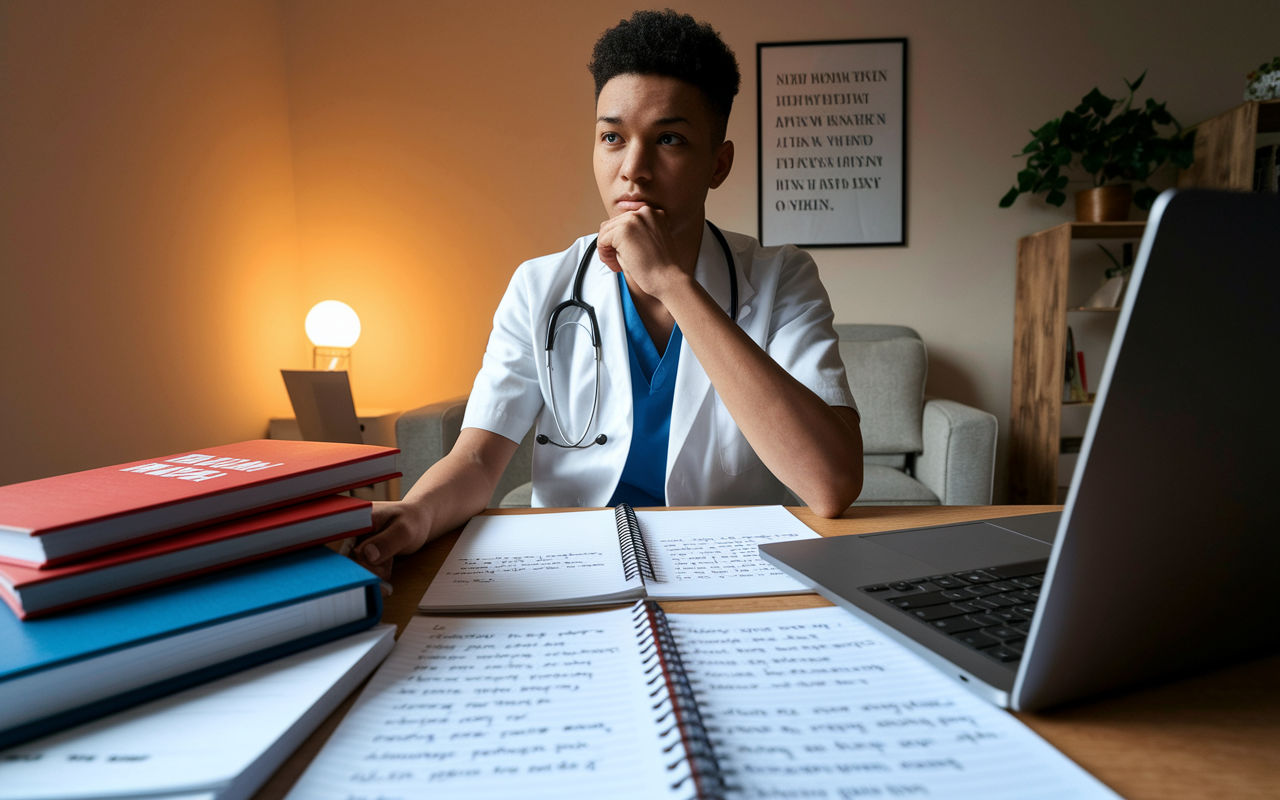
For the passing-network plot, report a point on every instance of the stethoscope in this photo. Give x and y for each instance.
(575, 301)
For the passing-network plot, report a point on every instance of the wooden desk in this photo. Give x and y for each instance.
(1212, 736)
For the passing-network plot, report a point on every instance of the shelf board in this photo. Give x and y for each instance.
(1107, 230)
(1095, 308)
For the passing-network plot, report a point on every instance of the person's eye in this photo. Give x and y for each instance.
(669, 138)
(611, 138)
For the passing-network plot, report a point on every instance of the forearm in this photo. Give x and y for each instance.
(455, 489)
(802, 440)
(452, 491)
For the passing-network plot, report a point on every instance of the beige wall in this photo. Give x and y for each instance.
(148, 277)
(437, 146)
(162, 148)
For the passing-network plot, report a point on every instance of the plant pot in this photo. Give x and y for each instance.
(1104, 204)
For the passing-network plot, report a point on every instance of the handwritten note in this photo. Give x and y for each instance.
(532, 560)
(816, 703)
(714, 553)
(497, 708)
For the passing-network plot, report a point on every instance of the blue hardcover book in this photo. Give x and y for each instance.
(63, 670)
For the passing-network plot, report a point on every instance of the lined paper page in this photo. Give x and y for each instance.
(197, 740)
(714, 552)
(528, 707)
(532, 560)
(816, 703)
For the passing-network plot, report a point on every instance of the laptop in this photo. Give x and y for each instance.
(1166, 556)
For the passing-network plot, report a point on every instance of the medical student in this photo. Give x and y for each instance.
(717, 379)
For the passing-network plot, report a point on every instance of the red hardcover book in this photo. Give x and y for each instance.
(32, 592)
(1084, 380)
(55, 520)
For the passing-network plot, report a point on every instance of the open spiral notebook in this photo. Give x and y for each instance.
(635, 703)
(586, 558)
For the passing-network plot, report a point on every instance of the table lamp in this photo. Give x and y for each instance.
(333, 327)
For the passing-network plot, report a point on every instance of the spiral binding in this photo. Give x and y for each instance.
(635, 556)
(658, 646)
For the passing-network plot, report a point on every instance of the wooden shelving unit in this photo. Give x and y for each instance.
(1039, 348)
(1224, 154)
(1225, 147)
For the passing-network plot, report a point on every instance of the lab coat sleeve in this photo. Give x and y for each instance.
(802, 337)
(506, 397)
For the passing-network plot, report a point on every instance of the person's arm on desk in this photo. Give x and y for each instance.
(453, 491)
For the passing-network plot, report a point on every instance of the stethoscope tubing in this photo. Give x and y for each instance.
(575, 301)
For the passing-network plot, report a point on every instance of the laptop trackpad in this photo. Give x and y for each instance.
(958, 547)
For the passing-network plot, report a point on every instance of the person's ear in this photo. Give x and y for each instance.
(724, 163)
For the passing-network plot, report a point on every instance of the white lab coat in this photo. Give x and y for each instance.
(782, 306)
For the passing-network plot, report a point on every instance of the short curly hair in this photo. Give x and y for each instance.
(675, 45)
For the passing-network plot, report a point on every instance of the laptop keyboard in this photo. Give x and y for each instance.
(986, 609)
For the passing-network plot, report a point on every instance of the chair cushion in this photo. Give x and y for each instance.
(519, 497)
(887, 378)
(885, 486)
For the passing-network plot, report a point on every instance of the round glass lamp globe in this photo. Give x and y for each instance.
(332, 323)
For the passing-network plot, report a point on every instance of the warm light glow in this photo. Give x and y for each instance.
(332, 323)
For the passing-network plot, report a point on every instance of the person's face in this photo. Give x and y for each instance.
(654, 146)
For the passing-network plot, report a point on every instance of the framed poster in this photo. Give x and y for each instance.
(831, 118)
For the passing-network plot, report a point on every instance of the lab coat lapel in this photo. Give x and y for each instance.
(692, 383)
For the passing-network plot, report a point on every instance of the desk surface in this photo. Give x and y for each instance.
(1216, 735)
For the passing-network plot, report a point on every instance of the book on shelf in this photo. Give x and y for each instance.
(585, 558)
(223, 739)
(1266, 169)
(1084, 377)
(32, 592)
(635, 703)
(69, 668)
(54, 520)
(1072, 384)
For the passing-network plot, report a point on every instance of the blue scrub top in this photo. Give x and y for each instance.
(653, 387)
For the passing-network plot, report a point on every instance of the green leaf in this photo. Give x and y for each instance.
(1060, 156)
(1133, 87)
(1099, 103)
(1009, 197)
(1026, 179)
(1055, 198)
(1060, 182)
(1111, 256)
(1031, 148)
(1047, 131)
(1144, 197)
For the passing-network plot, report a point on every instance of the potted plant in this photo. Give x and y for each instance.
(1264, 82)
(1114, 143)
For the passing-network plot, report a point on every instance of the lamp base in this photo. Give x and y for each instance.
(331, 359)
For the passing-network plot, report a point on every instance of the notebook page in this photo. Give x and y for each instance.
(527, 560)
(196, 740)
(528, 707)
(817, 701)
(714, 552)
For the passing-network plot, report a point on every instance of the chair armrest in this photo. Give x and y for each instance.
(959, 458)
(425, 435)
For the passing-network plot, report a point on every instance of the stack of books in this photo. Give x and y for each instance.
(128, 583)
